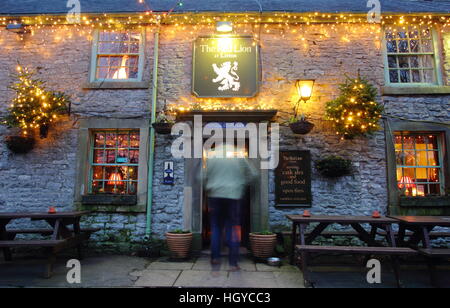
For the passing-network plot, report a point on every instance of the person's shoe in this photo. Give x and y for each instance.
(215, 261)
(234, 268)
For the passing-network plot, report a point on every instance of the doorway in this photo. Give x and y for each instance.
(245, 203)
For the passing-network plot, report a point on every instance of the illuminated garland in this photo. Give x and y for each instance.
(33, 106)
(355, 112)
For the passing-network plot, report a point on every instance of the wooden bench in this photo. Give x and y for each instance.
(393, 252)
(433, 257)
(45, 232)
(330, 234)
(52, 247)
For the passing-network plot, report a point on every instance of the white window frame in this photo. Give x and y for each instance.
(94, 56)
(437, 63)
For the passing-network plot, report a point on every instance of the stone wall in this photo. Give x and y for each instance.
(61, 56)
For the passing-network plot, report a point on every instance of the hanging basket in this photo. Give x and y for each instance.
(20, 144)
(163, 128)
(301, 127)
(43, 131)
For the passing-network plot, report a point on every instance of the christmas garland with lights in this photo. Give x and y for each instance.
(355, 112)
(34, 107)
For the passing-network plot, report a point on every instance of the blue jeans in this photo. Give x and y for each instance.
(225, 213)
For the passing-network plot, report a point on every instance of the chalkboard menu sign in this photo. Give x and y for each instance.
(293, 179)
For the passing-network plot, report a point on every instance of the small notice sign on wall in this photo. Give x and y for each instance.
(293, 179)
(225, 66)
(169, 177)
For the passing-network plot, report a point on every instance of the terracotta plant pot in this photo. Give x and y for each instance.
(179, 244)
(263, 245)
(20, 144)
(163, 128)
(301, 127)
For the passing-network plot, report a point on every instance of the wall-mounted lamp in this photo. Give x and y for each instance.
(18, 28)
(224, 26)
(305, 89)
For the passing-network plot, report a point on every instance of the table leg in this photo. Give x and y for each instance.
(364, 235)
(426, 237)
(293, 241)
(315, 233)
(401, 235)
(390, 235)
(4, 237)
(77, 232)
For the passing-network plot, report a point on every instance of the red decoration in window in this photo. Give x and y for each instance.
(115, 179)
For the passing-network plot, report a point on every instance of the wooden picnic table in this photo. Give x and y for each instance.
(356, 222)
(421, 226)
(61, 235)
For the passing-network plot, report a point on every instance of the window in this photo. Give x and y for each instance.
(411, 56)
(419, 163)
(118, 56)
(115, 161)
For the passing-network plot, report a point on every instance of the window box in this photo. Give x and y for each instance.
(430, 201)
(107, 199)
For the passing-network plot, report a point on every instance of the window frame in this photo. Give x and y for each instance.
(92, 149)
(440, 150)
(95, 54)
(428, 205)
(436, 57)
(83, 159)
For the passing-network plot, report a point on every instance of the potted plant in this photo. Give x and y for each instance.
(300, 126)
(163, 124)
(179, 242)
(334, 166)
(263, 244)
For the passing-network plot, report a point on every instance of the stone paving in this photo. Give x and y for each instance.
(200, 273)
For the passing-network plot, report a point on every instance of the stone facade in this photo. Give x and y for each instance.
(46, 176)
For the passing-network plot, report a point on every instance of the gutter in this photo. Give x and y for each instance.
(151, 160)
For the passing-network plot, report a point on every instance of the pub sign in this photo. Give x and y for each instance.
(225, 66)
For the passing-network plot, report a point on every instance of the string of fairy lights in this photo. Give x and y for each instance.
(295, 25)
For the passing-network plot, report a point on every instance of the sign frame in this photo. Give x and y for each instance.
(257, 65)
(308, 184)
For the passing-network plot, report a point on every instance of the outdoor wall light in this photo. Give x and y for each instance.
(224, 26)
(305, 89)
(18, 28)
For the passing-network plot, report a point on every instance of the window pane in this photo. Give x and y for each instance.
(429, 76)
(97, 173)
(122, 156)
(427, 45)
(99, 140)
(111, 140)
(403, 46)
(393, 75)
(432, 142)
(428, 61)
(134, 156)
(435, 189)
(414, 45)
(405, 76)
(391, 46)
(433, 175)
(99, 157)
(392, 60)
(414, 61)
(111, 156)
(123, 140)
(403, 62)
(416, 76)
(134, 137)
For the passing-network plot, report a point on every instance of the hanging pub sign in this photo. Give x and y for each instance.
(293, 179)
(225, 66)
(169, 178)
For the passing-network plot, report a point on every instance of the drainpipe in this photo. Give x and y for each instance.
(151, 160)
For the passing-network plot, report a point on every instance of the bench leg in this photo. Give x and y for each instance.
(51, 259)
(396, 268)
(432, 270)
(306, 276)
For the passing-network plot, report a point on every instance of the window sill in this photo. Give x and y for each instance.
(104, 200)
(425, 90)
(435, 201)
(111, 85)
